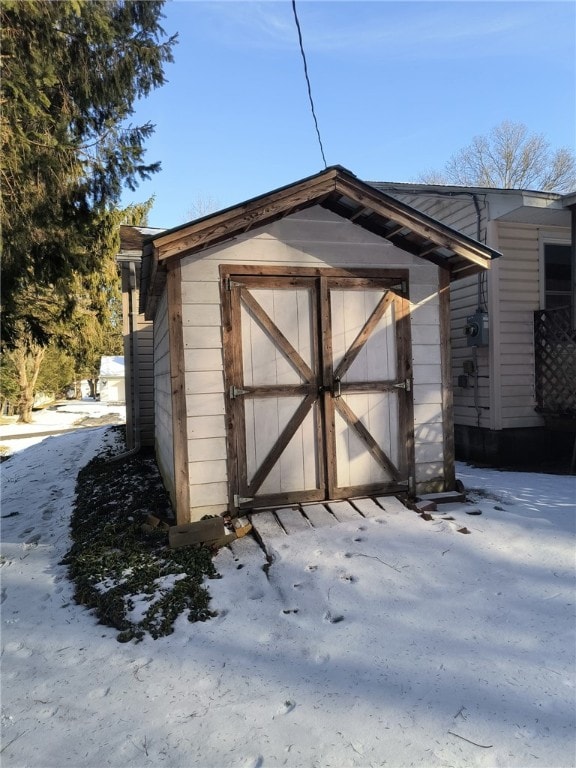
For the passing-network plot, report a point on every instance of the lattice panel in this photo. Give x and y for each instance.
(555, 350)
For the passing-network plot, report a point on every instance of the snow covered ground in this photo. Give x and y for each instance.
(389, 642)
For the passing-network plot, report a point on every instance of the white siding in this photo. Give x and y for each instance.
(204, 386)
(519, 288)
(311, 238)
(456, 210)
(472, 404)
(469, 216)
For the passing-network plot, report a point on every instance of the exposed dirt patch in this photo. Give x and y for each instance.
(130, 577)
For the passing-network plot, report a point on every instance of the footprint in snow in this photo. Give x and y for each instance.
(253, 762)
(286, 707)
(333, 618)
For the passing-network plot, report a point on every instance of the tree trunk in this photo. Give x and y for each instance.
(28, 362)
(92, 383)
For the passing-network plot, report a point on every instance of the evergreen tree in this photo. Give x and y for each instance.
(71, 72)
(83, 330)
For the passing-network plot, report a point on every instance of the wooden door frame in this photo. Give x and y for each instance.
(232, 354)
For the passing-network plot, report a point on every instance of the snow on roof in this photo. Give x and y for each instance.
(112, 366)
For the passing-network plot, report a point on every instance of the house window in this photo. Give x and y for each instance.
(557, 276)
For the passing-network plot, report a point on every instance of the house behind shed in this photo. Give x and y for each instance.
(301, 348)
(515, 384)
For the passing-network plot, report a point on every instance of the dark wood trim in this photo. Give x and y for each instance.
(231, 357)
(326, 363)
(407, 458)
(245, 271)
(356, 387)
(261, 503)
(178, 393)
(279, 390)
(447, 387)
(319, 412)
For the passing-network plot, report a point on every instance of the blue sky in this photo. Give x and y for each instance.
(398, 87)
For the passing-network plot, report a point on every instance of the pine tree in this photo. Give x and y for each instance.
(83, 329)
(71, 73)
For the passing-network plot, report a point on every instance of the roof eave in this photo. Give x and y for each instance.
(340, 191)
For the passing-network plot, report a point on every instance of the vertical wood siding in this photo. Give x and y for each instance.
(311, 238)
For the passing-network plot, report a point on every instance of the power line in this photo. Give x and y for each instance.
(308, 81)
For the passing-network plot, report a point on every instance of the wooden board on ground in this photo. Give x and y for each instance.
(368, 507)
(246, 547)
(318, 515)
(196, 533)
(266, 525)
(391, 505)
(292, 520)
(448, 497)
(344, 511)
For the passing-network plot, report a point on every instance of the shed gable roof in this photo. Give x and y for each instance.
(337, 190)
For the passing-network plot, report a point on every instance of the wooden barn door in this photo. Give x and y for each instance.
(317, 385)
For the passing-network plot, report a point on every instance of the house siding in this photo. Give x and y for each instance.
(163, 397)
(139, 372)
(472, 405)
(520, 287)
(311, 238)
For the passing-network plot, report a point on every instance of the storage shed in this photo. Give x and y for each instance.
(301, 348)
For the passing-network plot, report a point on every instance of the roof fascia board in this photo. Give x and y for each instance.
(417, 221)
(260, 210)
(244, 216)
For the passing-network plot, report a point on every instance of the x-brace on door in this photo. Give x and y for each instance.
(318, 387)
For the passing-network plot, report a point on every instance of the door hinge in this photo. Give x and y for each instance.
(238, 500)
(229, 283)
(406, 384)
(400, 287)
(237, 392)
